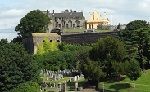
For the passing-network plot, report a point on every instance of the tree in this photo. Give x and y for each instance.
(3, 42)
(92, 71)
(141, 41)
(55, 57)
(34, 22)
(56, 60)
(108, 60)
(16, 66)
(130, 27)
(108, 48)
(109, 51)
(133, 70)
(137, 39)
(27, 87)
(18, 39)
(137, 24)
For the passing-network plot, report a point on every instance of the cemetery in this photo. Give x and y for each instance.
(61, 81)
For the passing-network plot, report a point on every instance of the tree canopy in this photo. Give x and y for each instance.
(131, 27)
(137, 38)
(108, 48)
(34, 22)
(109, 52)
(58, 56)
(107, 60)
(16, 66)
(27, 87)
(137, 24)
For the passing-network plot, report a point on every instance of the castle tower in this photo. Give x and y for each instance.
(96, 19)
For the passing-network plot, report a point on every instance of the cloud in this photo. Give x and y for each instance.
(119, 11)
(12, 13)
(10, 18)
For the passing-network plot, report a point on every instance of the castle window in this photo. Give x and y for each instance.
(59, 25)
(58, 40)
(67, 26)
(73, 25)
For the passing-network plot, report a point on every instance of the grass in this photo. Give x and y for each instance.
(78, 30)
(101, 31)
(140, 85)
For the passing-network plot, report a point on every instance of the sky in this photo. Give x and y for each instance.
(118, 11)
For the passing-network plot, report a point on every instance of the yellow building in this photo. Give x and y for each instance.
(95, 20)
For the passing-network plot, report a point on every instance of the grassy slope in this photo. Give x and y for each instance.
(141, 85)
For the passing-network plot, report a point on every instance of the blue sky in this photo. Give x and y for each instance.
(118, 11)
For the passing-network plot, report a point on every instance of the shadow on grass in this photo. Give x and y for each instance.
(119, 86)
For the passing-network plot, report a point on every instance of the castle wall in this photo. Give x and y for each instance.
(85, 38)
(82, 38)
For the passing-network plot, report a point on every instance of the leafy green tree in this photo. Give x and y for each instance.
(56, 60)
(61, 57)
(137, 39)
(34, 22)
(3, 42)
(52, 58)
(109, 52)
(92, 71)
(108, 48)
(141, 41)
(16, 66)
(130, 27)
(27, 87)
(108, 59)
(133, 70)
(137, 24)
(18, 39)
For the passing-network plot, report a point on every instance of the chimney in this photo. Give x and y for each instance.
(47, 12)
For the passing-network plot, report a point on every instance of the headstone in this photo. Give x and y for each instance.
(75, 78)
(76, 86)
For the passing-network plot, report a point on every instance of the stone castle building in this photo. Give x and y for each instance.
(66, 19)
(95, 20)
(73, 19)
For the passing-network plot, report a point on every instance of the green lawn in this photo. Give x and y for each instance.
(101, 31)
(78, 30)
(141, 85)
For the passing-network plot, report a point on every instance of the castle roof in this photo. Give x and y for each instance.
(72, 14)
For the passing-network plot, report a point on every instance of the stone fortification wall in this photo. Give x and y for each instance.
(84, 38)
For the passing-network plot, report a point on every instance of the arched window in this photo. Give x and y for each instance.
(58, 40)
